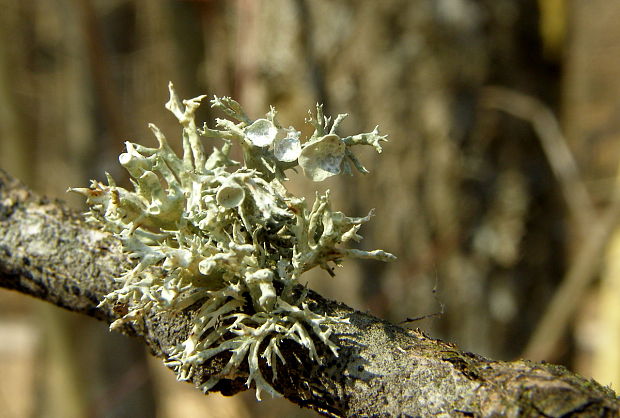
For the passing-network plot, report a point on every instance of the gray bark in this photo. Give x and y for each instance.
(49, 252)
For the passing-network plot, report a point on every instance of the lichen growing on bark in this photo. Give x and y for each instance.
(229, 236)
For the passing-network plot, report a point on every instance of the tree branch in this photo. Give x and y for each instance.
(48, 252)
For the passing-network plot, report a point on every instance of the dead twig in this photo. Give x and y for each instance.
(586, 263)
(553, 143)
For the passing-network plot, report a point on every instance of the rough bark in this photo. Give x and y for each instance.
(48, 252)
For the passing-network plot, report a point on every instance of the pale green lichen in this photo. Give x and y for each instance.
(229, 236)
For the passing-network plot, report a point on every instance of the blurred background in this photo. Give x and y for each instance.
(497, 191)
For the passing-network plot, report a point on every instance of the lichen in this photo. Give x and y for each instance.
(229, 236)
